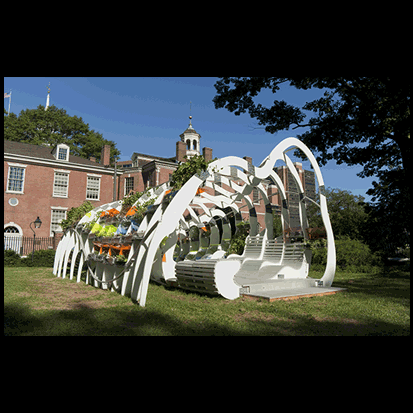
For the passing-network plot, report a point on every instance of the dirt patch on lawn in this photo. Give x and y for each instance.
(253, 316)
(59, 294)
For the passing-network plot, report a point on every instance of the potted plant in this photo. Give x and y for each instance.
(121, 260)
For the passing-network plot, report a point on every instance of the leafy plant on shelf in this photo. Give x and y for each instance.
(128, 201)
(121, 259)
(89, 225)
(137, 212)
(141, 210)
(75, 214)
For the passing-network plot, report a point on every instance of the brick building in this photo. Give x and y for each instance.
(145, 171)
(45, 182)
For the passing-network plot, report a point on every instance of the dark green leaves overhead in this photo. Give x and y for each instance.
(53, 126)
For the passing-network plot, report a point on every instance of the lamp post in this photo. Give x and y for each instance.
(37, 224)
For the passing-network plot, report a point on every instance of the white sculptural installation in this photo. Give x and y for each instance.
(161, 249)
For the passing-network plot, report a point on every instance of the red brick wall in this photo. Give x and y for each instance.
(137, 182)
(38, 199)
(164, 175)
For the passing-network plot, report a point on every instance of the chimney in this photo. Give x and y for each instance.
(105, 156)
(180, 151)
(92, 158)
(207, 153)
(249, 160)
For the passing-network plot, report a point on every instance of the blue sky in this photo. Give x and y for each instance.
(147, 115)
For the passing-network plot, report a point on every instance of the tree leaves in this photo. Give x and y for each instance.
(358, 121)
(195, 165)
(53, 126)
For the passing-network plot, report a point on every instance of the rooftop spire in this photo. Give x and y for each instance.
(190, 115)
(48, 97)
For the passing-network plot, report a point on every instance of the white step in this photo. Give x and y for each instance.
(256, 286)
(292, 293)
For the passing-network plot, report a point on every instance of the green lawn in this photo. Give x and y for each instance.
(38, 303)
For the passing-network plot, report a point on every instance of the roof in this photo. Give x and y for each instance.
(39, 151)
(142, 162)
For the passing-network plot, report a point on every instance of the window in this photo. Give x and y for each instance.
(129, 182)
(15, 180)
(57, 216)
(194, 143)
(61, 184)
(62, 154)
(188, 144)
(93, 188)
(11, 230)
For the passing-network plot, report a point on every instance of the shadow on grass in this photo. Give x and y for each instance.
(84, 321)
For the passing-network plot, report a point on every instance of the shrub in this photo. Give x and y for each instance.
(11, 258)
(238, 240)
(351, 256)
(42, 258)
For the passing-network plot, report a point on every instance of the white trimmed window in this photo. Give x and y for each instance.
(15, 178)
(129, 182)
(61, 152)
(57, 216)
(93, 188)
(61, 184)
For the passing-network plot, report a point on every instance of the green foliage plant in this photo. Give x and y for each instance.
(42, 258)
(237, 244)
(75, 214)
(53, 126)
(362, 121)
(185, 171)
(351, 256)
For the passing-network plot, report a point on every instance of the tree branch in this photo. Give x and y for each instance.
(303, 126)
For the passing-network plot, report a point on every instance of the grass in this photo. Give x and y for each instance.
(37, 303)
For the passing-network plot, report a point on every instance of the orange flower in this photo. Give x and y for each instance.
(131, 211)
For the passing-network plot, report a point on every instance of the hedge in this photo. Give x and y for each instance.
(351, 256)
(42, 258)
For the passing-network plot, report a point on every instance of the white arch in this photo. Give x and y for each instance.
(13, 224)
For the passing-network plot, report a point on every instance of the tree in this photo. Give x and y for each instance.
(388, 226)
(347, 213)
(53, 126)
(358, 121)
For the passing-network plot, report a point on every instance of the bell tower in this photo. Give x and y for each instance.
(192, 140)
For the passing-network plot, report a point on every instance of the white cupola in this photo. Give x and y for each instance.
(192, 140)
